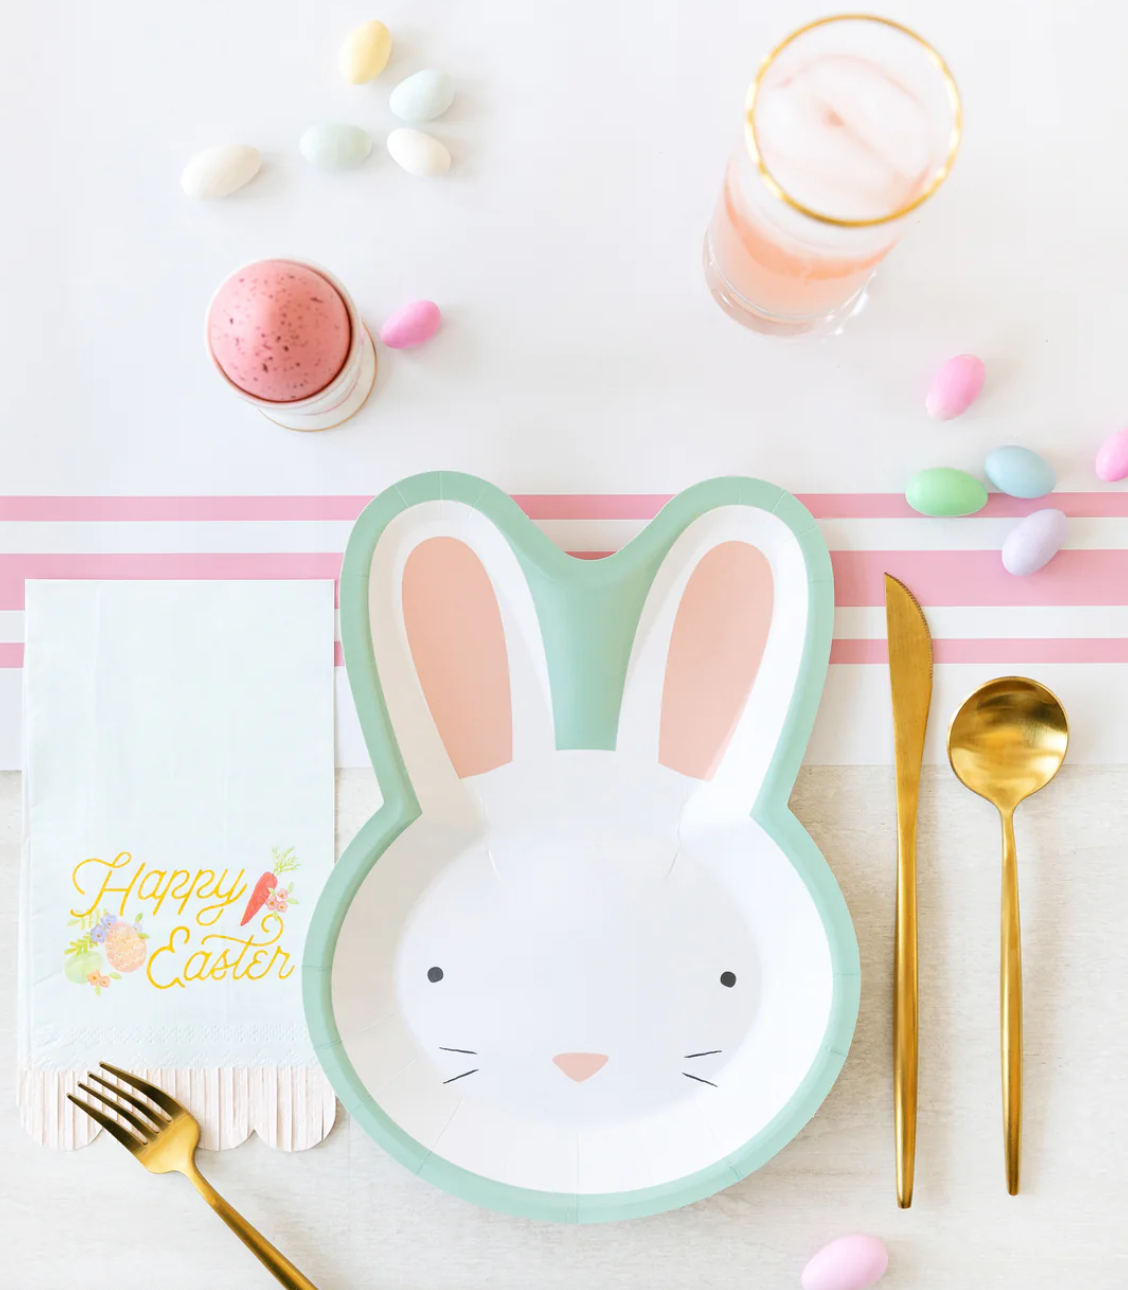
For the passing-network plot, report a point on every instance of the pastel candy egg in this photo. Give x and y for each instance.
(849, 1263)
(279, 330)
(943, 490)
(422, 97)
(955, 387)
(1020, 472)
(418, 153)
(365, 52)
(1033, 543)
(335, 147)
(1112, 460)
(218, 172)
(411, 325)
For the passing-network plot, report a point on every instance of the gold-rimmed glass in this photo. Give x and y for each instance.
(852, 123)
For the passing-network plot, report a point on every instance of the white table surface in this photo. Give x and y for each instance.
(581, 353)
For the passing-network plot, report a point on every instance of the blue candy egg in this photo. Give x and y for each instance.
(336, 146)
(1020, 472)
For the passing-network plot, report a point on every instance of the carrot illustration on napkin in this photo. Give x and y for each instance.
(284, 862)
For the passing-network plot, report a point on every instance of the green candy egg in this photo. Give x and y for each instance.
(944, 490)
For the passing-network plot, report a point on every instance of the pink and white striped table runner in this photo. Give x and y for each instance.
(1067, 624)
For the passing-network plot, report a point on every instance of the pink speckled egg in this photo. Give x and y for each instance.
(411, 325)
(1112, 460)
(850, 1263)
(955, 387)
(279, 330)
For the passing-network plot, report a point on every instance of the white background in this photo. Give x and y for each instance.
(581, 353)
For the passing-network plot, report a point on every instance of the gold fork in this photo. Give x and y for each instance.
(164, 1137)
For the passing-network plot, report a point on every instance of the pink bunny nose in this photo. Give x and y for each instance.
(580, 1066)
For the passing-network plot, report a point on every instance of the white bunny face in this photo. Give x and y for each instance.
(586, 969)
(574, 976)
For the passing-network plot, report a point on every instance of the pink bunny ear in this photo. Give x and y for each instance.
(457, 642)
(716, 645)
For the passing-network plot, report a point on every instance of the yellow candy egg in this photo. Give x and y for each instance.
(365, 53)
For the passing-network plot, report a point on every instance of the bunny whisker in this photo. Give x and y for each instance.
(673, 862)
(468, 1052)
(493, 864)
(462, 1076)
(712, 1052)
(699, 1079)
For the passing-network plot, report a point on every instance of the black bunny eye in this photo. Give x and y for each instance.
(436, 974)
(728, 979)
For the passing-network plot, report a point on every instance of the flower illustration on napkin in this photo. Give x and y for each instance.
(104, 936)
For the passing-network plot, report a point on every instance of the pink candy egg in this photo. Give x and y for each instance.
(411, 325)
(850, 1263)
(1112, 460)
(955, 387)
(279, 330)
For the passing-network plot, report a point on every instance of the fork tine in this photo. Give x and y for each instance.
(127, 1140)
(151, 1091)
(145, 1131)
(158, 1117)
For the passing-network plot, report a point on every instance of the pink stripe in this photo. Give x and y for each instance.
(892, 506)
(207, 567)
(181, 508)
(978, 578)
(538, 506)
(1000, 651)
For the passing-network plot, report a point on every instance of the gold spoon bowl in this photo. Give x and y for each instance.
(1006, 742)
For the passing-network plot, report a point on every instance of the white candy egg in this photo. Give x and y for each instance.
(418, 153)
(218, 172)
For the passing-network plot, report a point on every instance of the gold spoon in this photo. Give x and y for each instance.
(1005, 743)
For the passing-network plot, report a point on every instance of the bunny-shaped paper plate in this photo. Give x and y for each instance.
(583, 963)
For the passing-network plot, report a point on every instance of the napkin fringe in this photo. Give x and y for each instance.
(290, 1107)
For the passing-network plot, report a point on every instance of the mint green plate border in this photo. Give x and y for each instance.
(588, 611)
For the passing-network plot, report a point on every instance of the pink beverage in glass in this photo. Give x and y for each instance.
(851, 124)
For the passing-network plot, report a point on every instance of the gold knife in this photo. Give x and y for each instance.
(910, 682)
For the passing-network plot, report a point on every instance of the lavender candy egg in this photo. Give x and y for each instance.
(849, 1263)
(1033, 543)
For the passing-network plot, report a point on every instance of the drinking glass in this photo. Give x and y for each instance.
(851, 124)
